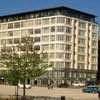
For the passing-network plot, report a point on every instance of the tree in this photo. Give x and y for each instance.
(25, 62)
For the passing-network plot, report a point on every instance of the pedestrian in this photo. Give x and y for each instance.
(99, 95)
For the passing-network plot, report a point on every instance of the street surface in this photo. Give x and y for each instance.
(75, 93)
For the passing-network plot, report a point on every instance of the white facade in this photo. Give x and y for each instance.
(71, 43)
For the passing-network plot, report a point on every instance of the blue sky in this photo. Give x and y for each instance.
(13, 6)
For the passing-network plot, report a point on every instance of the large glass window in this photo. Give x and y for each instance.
(68, 39)
(81, 65)
(82, 24)
(10, 25)
(59, 46)
(10, 33)
(60, 65)
(94, 50)
(60, 55)
(94, 35)
(30, 31)
(45, 47)
(51, 55)
(68, 56)
(46, 21)
(94, 59)
(16, 41)
(9, 41)
(45, 30)
(60, 20)
(68, 30)
(82, 33)
(81, 49)
(68, 21)
(37, 39)
(52, 46)
(81, 57)
(45, 38)
(53, 29)
(68, 47)
(81, 41)
(37, 31)
(60, 38)
(60, 28)
(17, 25)
(53, 20)
(17, 33)
(52, 37)
(37, 22)
(94, 43)
(94, 27)
(67, 64)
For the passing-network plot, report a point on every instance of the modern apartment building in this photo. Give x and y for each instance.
(69, 36)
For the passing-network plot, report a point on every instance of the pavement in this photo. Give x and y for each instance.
(75, 93)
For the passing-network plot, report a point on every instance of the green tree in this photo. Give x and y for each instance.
(24, 63)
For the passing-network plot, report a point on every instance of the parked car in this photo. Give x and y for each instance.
(91, 89)
(78, 84)
(27, 86)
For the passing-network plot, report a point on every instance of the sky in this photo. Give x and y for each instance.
(15, 6)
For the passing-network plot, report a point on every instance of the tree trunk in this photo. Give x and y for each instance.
(17, 93)
(24, 98)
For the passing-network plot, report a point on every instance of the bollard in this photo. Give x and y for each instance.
(62, 97)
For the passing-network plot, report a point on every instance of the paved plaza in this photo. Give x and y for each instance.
(74, 93)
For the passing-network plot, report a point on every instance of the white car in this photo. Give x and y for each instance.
(78, 84)
(27, 86)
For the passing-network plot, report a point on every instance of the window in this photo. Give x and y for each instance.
(82, 25)
(53, 29)
(60, 65)
(30, 31)
(60, 28)
(94, 27)
(17, 33)
(59, 46)
(60, 55)
(51, 55)
(68, 21)
(93, 66)
(45, 30)
(17, 25)
(81, 41)
(60, 38)
(45, 21)
(52, 46)
(37, 22)
(81, 66)
(37, 39)
(82, 33)
(81, 49)
(9, 41)
(94, 59)
(94, 35)
(94, 51)
(10, 33)
(94, 43)
(60, 20)
(16, 41)
(10, 25)
(68, 39)
(52, 37)
(68, 30)
(68, 47)
(37, 31)
(45, 38)
(3, 41)
(36, 47)
(3, 26)
(68, 56)
(67, 64)
(81, 57)
(45, 47)
(53, 20)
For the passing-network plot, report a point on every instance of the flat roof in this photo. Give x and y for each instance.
(46, 9)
